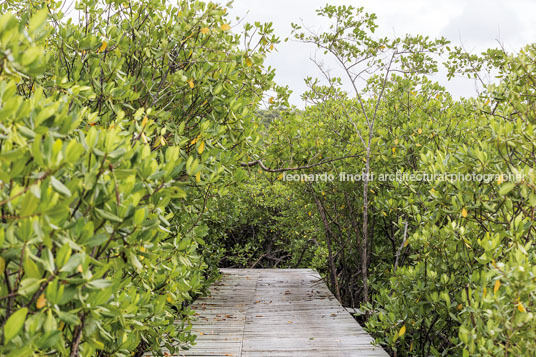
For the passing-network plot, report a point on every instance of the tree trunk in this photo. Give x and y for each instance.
(364, 245)
(333, 270)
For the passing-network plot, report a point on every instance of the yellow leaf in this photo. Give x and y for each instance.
(103, 46)
(198, 177)
(406, 243)
(464, 212)
(459, 307)
(169, 299)
(520, 307)
(488, 101)
(80, 269)
(201, 148)
(402, 331)
(144, 138)
(191, 83)
(396, 141)
(144, 121)
(500, 180)
(323, 193)
(205, 30)
(271, 100)
(394, 150)
(248, 62)
(272, 47)
(195, 139)
(41, 301)
(225, 27)
(280, 176)
(309, 213)
(496, 286)
(419, 131)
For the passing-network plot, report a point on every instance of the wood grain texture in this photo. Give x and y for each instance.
(276, 312)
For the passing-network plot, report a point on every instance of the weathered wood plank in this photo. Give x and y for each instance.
(276, 312)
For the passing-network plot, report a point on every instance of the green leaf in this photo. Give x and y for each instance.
(73, 151)
(29, 205)
(30, 268)
(47, 259)
(73, 263)
(36, 151)
(30, 55)
(29, 286)
(139, 216)
(14, 324)
(108, 215)
(135, 262)
(63, 255)
(49, 339)
(12, 154)
(68, 318)
(99, 284)
(506, 188)
(38, 20)
(2, 266)
(60, 187)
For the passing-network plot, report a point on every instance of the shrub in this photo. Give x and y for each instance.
(113, 133)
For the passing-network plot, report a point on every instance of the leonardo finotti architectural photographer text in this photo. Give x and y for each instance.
(402, 177)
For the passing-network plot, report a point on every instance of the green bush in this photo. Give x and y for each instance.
(115, 132)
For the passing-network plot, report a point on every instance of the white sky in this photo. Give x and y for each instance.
(478, 23)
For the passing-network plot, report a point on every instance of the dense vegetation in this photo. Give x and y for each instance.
(436, 267)
(135, 159)
(115, 128)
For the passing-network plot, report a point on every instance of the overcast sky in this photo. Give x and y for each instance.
(478, 23)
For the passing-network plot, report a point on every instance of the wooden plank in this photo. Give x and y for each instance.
(276, 312)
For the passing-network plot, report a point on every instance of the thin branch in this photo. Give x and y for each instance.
(399, 251)
(267, 169)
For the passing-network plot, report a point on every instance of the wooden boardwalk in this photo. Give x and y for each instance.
(276, 312)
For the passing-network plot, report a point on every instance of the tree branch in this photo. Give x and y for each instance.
(267, 169)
